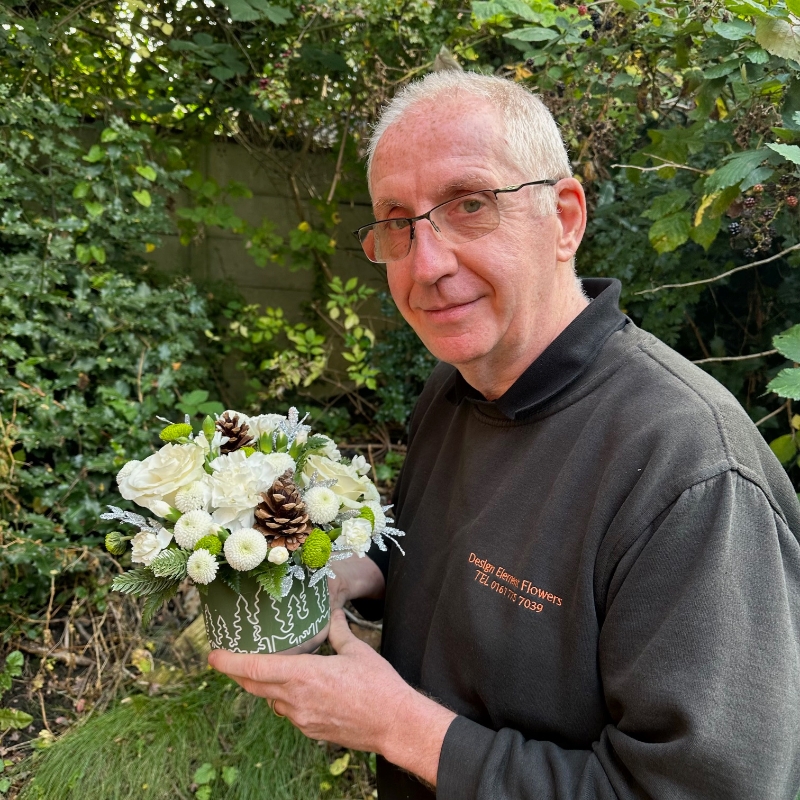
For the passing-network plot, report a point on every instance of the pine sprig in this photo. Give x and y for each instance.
(313, 444)
(170, 564)
(141, 583)
(154, 602)
(270, 577)
(230, 577)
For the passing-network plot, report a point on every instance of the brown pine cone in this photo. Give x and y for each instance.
(281, 515)
(238, 433)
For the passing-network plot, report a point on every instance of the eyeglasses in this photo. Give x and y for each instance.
(459, 220)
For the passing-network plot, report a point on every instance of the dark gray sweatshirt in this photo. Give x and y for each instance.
(602, 578)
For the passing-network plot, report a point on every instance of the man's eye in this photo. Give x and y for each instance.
(396, 224)
(471, 205)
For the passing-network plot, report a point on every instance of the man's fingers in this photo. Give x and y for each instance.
(340, 636)
(261, 668)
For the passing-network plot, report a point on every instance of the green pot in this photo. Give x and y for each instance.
(254, 622)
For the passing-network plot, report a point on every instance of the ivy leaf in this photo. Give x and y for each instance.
(784, 447)
(671, 232)
(148, 173)
(788, 343)
(791, 152)
(779, 37)
(786, 384)
(13, 718)
(143, 197)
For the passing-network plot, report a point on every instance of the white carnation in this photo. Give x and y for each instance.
(162, 475)
(192, 527)
(357, 535)
(329, 450)
(245, 549)
(278, 555)
(360, 465)
(146, 546)
(281, 462)
(194, 496)
(322, 504)
(236, 487)
(202, 566)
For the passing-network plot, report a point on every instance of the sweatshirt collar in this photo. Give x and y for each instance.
(562, 362)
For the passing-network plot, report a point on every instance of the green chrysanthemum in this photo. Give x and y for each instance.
(211, 543)
(248, 451)
(178, 430)
(317, 549)
(116, 543)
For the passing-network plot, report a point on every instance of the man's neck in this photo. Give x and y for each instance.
(494, 374)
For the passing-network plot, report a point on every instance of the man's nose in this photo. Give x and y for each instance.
(431, 254)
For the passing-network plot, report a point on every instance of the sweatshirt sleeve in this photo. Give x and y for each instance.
(699, 657)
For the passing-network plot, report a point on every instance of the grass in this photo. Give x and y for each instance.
(150, 747)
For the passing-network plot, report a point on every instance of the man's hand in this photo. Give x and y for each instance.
(354, 698)
(355, 577)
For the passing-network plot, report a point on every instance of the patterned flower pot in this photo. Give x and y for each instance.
(254, 622)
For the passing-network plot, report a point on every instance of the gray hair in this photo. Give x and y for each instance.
(535, 143)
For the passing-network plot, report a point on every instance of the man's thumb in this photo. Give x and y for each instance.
(339, 634)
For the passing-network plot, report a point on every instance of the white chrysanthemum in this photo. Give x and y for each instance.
(281, 462)
(380, 516)
(126, 470)
(357, 535)
(245, 549)
(278, 555)
(192, 527)
(360, 465)
(322, 504)
(194, 496)
(202, 566)
(146, 546)
(236, 487)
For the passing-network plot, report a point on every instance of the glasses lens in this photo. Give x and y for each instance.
(389, 240)
(467, 218)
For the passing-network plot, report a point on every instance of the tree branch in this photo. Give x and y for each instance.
(736, 358)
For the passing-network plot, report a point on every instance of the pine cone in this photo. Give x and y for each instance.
(238, 433)
(281, 515)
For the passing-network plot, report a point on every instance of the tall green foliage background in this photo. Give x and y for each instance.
(682, 121)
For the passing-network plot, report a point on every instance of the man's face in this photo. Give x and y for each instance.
(478, 303)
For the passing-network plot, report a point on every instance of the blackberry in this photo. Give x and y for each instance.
(768, 213)
(784, 179)
(609, 26)
(791, 201)
(734, 228)
(585, 34)
(748, 253)
(749, 202)
(597, 23)
(758, 188)
(530, 63)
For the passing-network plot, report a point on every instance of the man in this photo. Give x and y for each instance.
(600, 596)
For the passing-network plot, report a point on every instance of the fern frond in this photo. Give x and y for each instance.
(269, 577)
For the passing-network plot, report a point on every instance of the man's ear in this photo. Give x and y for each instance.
(571, 205)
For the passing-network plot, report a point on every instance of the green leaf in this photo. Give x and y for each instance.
(671, 232)
(203, 793)
(139, 582)
(533, 34)
(155, 601)
(786, 383)
(721, 70)
(14, 663)
(81, 190)
(788, 343)
(13, 718)
(242, 11)
(368, 514)
(756, 55)
(340, 765)
(791, 152)
(230, 775)
(269, 577)
(108, 135)
(170, 563)
(784, 447)
(93, 209)
(143, 198)
(98, 253)
(195, 397)
(222, 73)
(734, 30)
(746, 7)
(706, 232)
(779, 37)
(275, 14)
(667, 204)
(148, 173)
(794, 7)
(205, 773)
(83, 253)
(95, 154)
(735, 169)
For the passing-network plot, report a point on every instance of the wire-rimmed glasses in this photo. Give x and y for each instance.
(459, 220)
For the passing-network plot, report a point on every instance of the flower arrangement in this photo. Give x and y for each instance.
(259, 496)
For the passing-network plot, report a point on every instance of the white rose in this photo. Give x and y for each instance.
(350, 486)
(146, 546)
(278, 555)
(162, 475)
(357, 535)
(236, 487)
